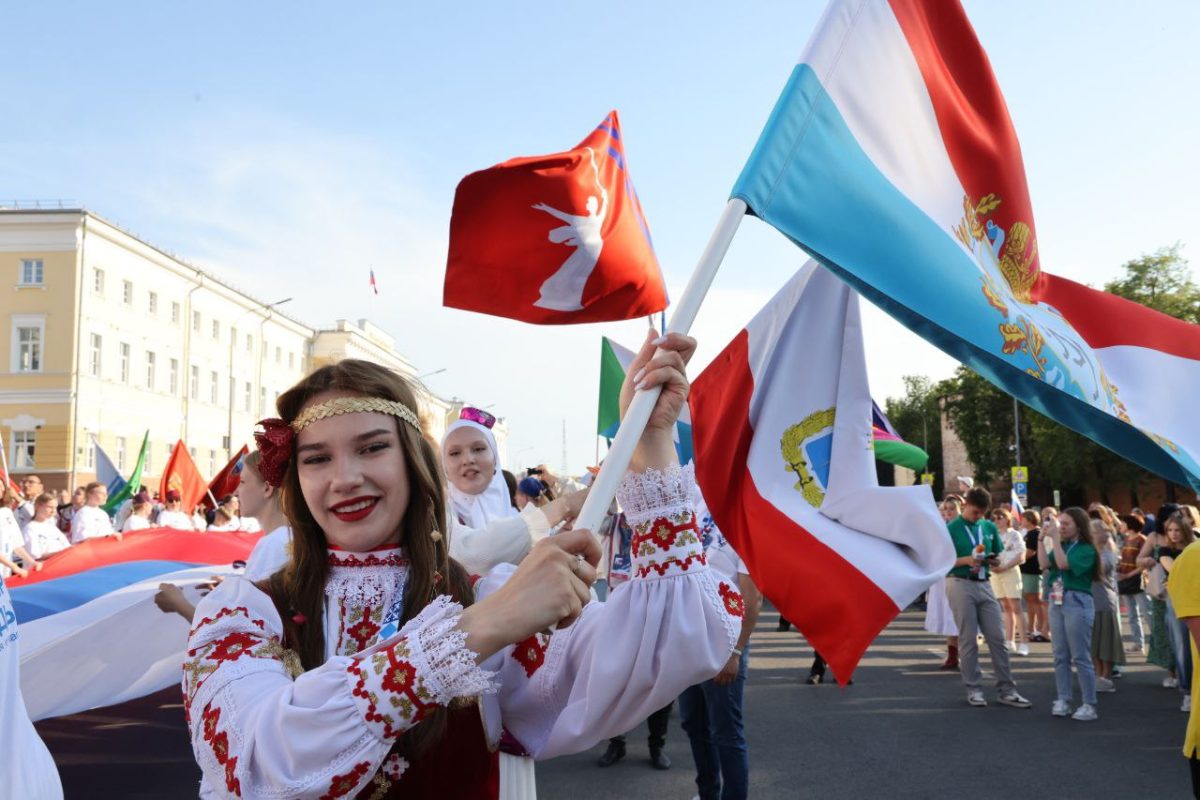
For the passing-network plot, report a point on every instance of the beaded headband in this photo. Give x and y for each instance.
(277, 440)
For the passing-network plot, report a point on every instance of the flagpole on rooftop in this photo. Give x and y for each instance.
(620, 452)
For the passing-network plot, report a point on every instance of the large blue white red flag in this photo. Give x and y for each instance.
(782, 426)
(90, 632)
(890, 157)
(555, 239)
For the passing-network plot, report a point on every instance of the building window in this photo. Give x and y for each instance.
(217, 329)
(23, 446)
(249, 343)
(151, 363)
(174, 313)
(27, 334)
(262, 401)
(232, 337)
(146, 465)
(31, 272)
(249, 396)
(127, 292)
(153, 302)
(192, 451)
(212, 462)
(97, 345)
(278, 354)
(173, 377)
(194, 389)
(97, 280)
(120, 453)
(85, 454)
(212, 398)
(195, 321)
(124, 362)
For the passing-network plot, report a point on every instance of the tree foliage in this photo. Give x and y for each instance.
(1161, 281)
(915, 417)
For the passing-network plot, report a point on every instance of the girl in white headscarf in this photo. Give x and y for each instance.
(485, 529)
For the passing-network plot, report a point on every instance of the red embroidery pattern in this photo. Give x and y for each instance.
(228, 612)
(402, 688)
(343, 785)
(362, 633)
(733, 599)
(232, 647)
(531, 653)
(393, 559)
(219, 742)
(674, 539)
(204, 660)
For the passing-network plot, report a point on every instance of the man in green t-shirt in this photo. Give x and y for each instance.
(977, 544)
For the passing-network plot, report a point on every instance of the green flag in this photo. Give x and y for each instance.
(614, 361)
(135, 480)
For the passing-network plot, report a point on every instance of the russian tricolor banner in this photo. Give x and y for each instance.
(783, 437)
(890, 157)
(91, 634)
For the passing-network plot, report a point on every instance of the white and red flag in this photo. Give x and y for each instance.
(782, 430)
(555, 239)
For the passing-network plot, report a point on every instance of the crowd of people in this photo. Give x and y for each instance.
(35, 524)
(1082, 576)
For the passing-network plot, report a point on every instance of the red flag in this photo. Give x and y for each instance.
(374, 285)
(182, 476)
(227, 480)
(555, 239)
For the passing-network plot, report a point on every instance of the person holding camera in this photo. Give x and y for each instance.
(1071, 566)
(977, 545)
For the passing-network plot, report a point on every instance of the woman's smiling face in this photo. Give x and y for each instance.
(354, 477)
(470, 463)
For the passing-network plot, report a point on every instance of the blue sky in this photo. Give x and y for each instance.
(277, 143)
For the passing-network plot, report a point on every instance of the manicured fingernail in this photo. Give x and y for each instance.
(637, 378)
(659, 340)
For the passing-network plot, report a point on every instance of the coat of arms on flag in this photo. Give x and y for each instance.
(555, 239)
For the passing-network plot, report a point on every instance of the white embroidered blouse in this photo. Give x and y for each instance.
(259, 729)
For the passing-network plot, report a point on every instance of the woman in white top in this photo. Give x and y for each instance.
(260, 500)
(12, 543)
(139, 517)
(42, 536)
(92, 521)
(173, 515)
(358, 667)
(485, 528)
(939, 619)
(1006, 581)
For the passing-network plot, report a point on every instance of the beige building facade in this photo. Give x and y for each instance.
(109, 340)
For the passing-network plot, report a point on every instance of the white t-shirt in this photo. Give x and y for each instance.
(135, 523)
(270, 554)
(232, 525)
(175, 519)
(44, 538)
(90, 522)
(249, 525)
(29, 770)
(10, 540)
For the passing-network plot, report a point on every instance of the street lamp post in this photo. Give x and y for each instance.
(232, 344)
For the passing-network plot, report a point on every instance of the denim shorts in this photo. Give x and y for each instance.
(1031, 584)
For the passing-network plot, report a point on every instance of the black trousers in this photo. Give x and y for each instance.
(657, 724)
(1194, 763)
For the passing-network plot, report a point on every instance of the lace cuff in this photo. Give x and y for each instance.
(646, 495)
(397, 686)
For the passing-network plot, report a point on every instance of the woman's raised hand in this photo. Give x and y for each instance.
(662, 361)
(550, 587)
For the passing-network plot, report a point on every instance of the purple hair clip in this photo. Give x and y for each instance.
(478, 415)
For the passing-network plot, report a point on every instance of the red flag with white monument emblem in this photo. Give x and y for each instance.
(554, 239)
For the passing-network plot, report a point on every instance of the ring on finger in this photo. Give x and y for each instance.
(577, 564)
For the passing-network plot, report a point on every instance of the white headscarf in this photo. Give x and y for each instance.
(477, 510)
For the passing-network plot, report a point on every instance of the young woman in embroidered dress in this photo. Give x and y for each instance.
(363, 667)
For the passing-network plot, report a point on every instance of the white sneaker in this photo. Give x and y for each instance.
(1085, 713)
(1022, 649)
(1187, 703)
(1061, 708)
(1170, 682)
(1012, 647)
(975, 698)
(1105, 685)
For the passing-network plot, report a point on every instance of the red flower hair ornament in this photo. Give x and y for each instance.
(275, 441)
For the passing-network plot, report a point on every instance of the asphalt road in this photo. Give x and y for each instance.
(903, 730)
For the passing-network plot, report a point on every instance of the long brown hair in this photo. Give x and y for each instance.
(300, 587)
(1083, 528)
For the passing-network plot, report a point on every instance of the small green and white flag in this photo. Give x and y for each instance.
(135, 480)
(614, 364)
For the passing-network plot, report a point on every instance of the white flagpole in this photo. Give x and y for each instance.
(620, 452)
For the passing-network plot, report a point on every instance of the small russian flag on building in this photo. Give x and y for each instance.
(374, 285)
